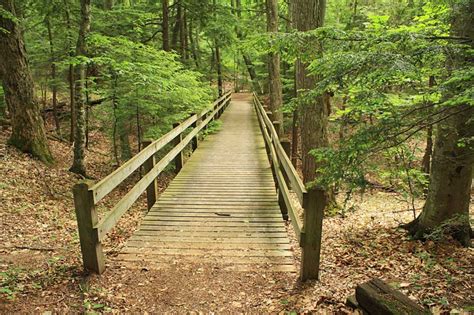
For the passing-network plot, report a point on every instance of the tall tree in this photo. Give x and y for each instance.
(80, 98)
(165, 25)
(28, 132)
(70, 76)
(309, 15)
(108, 4)
(182, 30)
(275, 88)
(54, 87)
(449, 191)
(220, 81)
(247, 60)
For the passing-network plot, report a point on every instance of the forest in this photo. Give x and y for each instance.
(372, 102)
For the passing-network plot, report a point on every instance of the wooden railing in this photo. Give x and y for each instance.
(308, 230)
(87, 194)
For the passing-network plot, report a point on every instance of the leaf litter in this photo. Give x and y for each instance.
(40, 262)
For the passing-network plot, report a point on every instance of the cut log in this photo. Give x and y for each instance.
(352, 302)
(377, 297)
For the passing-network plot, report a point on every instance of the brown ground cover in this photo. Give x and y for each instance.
(40, 267)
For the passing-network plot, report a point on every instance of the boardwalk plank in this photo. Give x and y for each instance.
(221, 208)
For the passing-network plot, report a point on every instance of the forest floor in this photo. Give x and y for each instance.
(40, 264)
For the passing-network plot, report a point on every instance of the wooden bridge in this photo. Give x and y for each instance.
(226, 205)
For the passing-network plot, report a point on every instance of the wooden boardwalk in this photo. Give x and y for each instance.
(222, 207)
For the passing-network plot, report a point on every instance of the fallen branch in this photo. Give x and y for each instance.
(40, 249)
(406, 210)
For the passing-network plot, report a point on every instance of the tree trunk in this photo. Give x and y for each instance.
(165, 26)
(275, 88)
(87, 108)
(175, 34)
(139, 128)
(447, 202)
(220, 82)
(28, 133)
(185, 34)
(426, 162)
(247, 60)
(294, 139)
(78, 166)
(114, 129)
(124, 132)
(192, 42)
(450, 181)
(308, 15)
(54, 88)
(109, 4)
(70, 75)
(182, 30)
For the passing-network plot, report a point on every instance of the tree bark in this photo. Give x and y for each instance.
(275, 87)
(450, 181)
(78, 165)
(220, 81)
(165, 26)
(426, 162)
(28, 133)
(70, 75)
(123, 133)
(193, 44)
(247, 60)
(182, 30)
(54, 88)
(308, 15)
(447, 202)
(294, 139)
(109, 4)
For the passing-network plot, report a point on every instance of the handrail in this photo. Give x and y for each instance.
(109, 221)
(88, 194)
(296, 183)
(273, 143)
(312, 202)
(107, 184)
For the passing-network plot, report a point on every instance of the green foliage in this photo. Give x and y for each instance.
(147, 81)
(4, 14)
(380, 74)
(213, 127)
(448, 228)
(145, 89)
(9, 287)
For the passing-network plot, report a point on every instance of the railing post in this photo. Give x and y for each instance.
(86, 214)
(277, 126)
(281, 200)
(194, 141)
(314, 202)
(218, 112)
(152, 189)
(286, 144)
(178, 160)
(270, 114)
(227, 103)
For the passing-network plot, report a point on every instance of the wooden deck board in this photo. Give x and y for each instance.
(221, 208)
